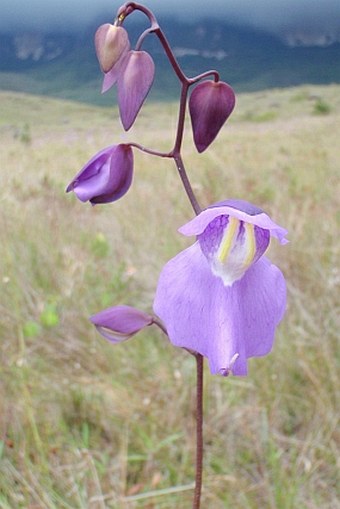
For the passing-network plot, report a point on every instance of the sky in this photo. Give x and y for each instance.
(268, 15)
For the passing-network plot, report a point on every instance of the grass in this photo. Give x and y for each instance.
(87, 425)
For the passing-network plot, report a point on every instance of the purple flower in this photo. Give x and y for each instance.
(221, 297)
(120, 323)
(210, 105)
(106, 177)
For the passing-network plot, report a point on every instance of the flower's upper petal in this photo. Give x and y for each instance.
(197, 225)
(225, 324)
(238, 204)
(119, 323)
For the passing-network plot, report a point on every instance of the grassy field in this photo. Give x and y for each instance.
(85, 425)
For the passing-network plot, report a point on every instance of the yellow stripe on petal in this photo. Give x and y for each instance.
(251, 244)
(227, 242)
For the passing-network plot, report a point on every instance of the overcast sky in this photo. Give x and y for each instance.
(271, 15)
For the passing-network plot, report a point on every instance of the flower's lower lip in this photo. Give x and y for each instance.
(226, 324)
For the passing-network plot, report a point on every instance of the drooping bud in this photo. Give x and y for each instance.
(133, 85)
(111, 43)
(119, 323)
(106, 177)
(210, 104)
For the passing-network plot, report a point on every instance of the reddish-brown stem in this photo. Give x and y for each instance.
(199, 432)
(176, 152)
(169, 53)
(181, 118)
(127, 8)
(186, 184)
(159, 324)
(150, 151)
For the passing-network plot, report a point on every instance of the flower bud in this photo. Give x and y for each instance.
(133, 85)
(210, 104)
(120, 323)
(111, 77)
(106, 177)
(111, 44)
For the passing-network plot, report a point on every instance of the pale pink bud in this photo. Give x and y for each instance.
(111, 44)
(133, 85)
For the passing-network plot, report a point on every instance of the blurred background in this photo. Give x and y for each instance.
(83, 424)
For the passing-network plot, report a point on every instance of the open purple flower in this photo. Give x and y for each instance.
(106, 177)
(221, 297)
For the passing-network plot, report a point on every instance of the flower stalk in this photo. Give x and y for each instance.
(199, 432)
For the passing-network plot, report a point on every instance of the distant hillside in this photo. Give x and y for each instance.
(64, 65)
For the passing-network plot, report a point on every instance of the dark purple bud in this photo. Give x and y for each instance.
(210, 104)
(133, 84)
(111, 44)
(106, 177)
(119, 323)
